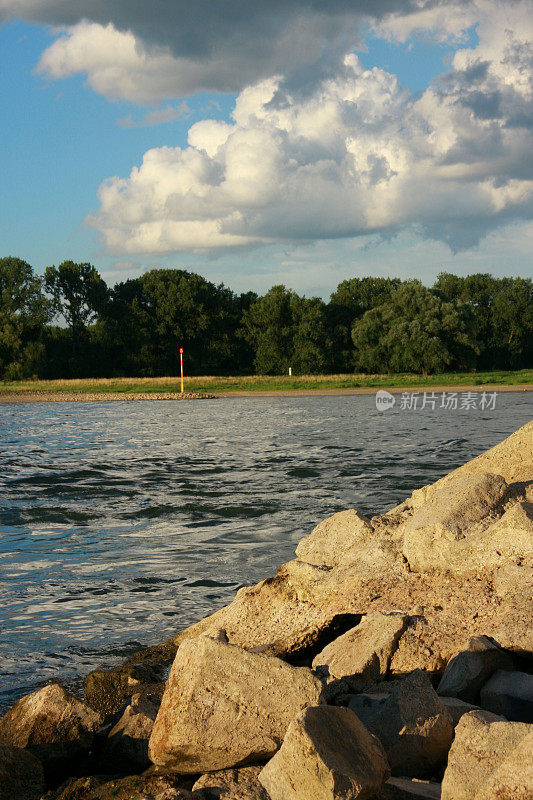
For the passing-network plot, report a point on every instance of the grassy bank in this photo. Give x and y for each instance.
(281, 383)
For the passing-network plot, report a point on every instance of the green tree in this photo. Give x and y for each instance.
(23, 314)
(286, 330)
(351, 299)
(78, 295)
(415, 331)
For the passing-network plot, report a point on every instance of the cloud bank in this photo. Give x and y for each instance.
(358, 155)
(318, 147)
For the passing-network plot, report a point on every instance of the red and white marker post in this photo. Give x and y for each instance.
(181, 365)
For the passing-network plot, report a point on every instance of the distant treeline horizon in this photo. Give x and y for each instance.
(369, 325)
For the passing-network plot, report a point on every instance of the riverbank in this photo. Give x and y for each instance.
(398, 644)
(86, 397)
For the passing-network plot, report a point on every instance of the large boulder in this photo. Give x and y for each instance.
(53, 725)
(134, 787)
(490, 759)
(413, 726)
(509, 694)
(327, 754)
(365, 650)
(442, 533)
(225, 707)
(21, 775)
(231, 784)
(126, 746)
(457, 708)
(471, 668)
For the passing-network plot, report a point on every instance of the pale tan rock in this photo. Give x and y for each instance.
(435, 537)
(490, 759)
(327, 754)
(365, 650)
(126, 746)
(21, 775)
(414, 727)
(52, 724)
(471, 668)
(232, 784)
(225, 707)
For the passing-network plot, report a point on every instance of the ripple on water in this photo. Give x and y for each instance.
(123, 523)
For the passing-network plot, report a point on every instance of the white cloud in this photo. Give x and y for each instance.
(156, 117)
(356, 156)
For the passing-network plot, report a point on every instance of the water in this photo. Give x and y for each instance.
(121, 523)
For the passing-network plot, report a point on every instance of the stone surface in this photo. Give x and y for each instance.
(135, 787)
(366, 704)
(365, 650)
(53, 725)
(409, 789)
(470, 669)
(231, 784)
(349, 538)
(457, 708)
(414, 727)
(327, 754)
(441, 534)
(109, 690)
(216, 690)
(509, 694)
(21, 775)
(126, 746)
(490, 759)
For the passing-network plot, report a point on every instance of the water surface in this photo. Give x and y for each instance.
(121, 523)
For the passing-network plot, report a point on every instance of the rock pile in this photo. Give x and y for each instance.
(391, 660)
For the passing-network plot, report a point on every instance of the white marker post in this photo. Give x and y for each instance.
(181, 364)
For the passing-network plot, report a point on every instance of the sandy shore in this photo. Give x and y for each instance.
(84, 397)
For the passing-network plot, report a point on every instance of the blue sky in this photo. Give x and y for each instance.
(253, 207)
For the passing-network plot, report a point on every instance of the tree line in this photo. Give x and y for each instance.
(68, 323)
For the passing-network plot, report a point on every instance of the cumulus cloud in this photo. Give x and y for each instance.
(156, 117)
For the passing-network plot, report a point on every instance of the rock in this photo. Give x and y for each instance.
(126, 746)
(457, 708)
(413, 726)
(327, 753)
(365, 650)
(225, 707)
(490, 759)
(509, 694)
(366, 704)
(231, 784)
(470, 669)
(407, 789)
(135, 787)
(437, 535)
(109, 690)
(53, 725)
(21, 775)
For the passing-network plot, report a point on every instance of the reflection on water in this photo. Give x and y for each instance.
(121, 523)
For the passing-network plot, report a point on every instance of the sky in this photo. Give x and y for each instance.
(257, 143)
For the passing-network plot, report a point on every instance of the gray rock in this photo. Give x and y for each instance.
(367, 704)
(409, 789)
(490, 759)
(509, 694)
(225, 707)
(327, 754)
(470, 669)
(21, 775)
(414, 727)
(126, 746)
(365, 650)
(231, 784)
(457, 708)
